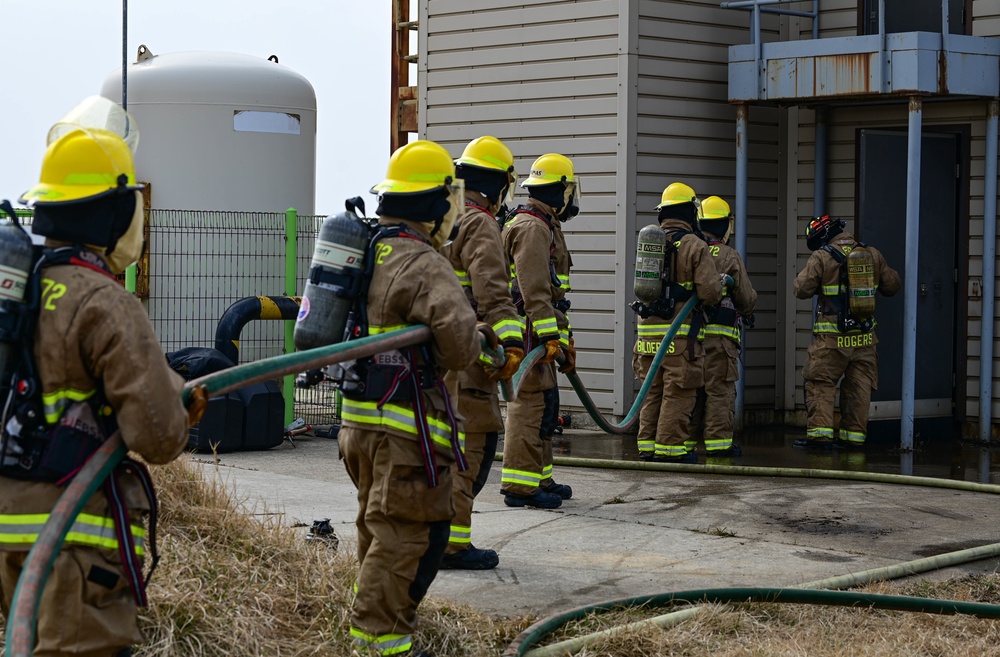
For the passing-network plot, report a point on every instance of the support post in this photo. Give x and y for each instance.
(989, 273)
(291, 282)
(819, 166)
(742, 158)
(910, 282)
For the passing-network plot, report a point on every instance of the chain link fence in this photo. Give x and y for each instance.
(201, 262)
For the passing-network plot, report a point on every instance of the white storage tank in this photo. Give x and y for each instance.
(222, 131)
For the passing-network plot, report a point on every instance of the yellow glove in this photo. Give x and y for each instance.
(197, 402)
(551, 351)
(513, 356)
(569, 363)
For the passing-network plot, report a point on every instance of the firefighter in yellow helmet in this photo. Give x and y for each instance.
(539, 280)
(665, 415)
(714, 410)
(99, 368)
(400, 432)
(476, 254)
(841, 272)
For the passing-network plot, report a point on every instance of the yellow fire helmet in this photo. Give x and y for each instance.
(491, 153)
(716, 217)
(550, 168)
(677, 193)
(83, 164)
(90, 153)
(417, 167)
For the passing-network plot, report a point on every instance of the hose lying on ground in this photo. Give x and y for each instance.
(523, 644)
(20, 636)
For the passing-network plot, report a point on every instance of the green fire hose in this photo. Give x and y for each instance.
(530, 636)
(20, 635)
(630, 420)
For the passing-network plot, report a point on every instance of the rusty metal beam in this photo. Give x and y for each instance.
(402, 96)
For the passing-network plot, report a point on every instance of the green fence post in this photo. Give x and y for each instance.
(130, 279)
(291, 283)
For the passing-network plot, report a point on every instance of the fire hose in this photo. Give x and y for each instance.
(20, 635)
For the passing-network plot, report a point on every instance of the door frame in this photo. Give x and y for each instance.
(963, 133)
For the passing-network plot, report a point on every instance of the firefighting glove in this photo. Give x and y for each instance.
(197, 402)
(551, 351)
(748, 320)
(513, 357)
(569, 360)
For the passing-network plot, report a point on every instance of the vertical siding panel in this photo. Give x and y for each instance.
(687, 132)
(546, 77)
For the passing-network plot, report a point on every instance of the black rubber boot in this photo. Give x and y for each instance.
(562, 490)
(539, 499)
(471, 558)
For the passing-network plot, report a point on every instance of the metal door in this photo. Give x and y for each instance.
(882, 223)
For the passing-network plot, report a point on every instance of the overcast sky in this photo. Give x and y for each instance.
(54, 53)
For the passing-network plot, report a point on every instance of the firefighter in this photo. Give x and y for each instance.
(539, 280)
(665, 415)
(843, 344)
(714, 410)
(476, 254)
(401, 433)
(100, 367)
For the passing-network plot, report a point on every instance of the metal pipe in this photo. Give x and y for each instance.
(758, 48)
(125, 55)
(989, 273)
(238, 315)
(815, 17)
(910, 282)
(742, 159)
(820, 139)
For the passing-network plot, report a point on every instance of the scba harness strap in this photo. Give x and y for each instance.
(383, 377)
(36, 447)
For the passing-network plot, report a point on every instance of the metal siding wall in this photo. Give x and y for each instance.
(687, 132)
(842, 152)
(543, 77)
(986, 17)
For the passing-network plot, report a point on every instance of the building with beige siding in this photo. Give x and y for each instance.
(641, 93)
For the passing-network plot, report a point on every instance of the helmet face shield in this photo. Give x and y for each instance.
(508, 198)
(456, 190)
(98, 113)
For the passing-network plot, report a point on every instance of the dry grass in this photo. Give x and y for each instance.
(234, 584)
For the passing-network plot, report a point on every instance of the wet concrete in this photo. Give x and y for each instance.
(628, 532)
(941, 454)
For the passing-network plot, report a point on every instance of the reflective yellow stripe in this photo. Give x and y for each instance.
(398, 417)
(724, 330)
(659, 331)
(376, 330)
(386, 644)
(56, 403)
(852, 436)
(545, 327)
(508, 329)
(687, 285)
(820, 432)
(460, 534)
(831, 290)
(563, 281)
(87, 529)
(463, 278)
(523, 477)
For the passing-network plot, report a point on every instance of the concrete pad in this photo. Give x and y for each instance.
(626, 533)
